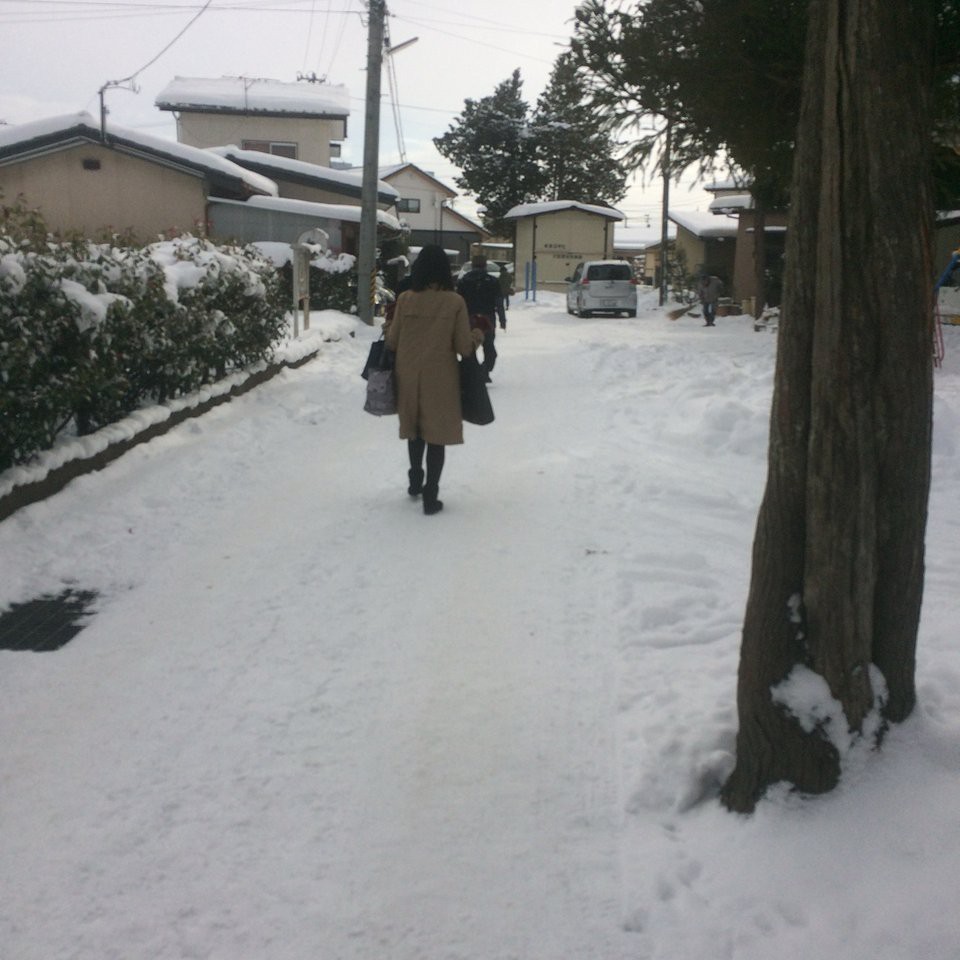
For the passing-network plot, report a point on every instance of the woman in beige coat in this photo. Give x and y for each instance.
(428, 329)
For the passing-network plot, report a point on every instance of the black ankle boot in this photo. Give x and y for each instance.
(430, 502)
(416, 482)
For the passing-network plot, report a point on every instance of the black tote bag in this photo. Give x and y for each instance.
(474, 398)
(379, 358)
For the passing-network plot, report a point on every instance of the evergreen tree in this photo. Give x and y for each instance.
(726, 76)
(574, 149)
(489, 142)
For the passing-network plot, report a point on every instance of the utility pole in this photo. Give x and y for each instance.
(367, 254)
(664, 221)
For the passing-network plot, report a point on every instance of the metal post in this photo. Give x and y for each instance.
(665, 163)
(367, 254)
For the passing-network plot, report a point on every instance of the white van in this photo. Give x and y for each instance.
(602, 286)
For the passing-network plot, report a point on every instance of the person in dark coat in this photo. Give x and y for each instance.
(506, 291)
(429, 327)
(482, 294)
(709, 290)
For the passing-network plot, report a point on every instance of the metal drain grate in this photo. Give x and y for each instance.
(46, 623)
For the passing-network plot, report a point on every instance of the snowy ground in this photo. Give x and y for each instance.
(308, 723)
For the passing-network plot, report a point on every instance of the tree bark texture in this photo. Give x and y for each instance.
(759, 258)
(842, 523)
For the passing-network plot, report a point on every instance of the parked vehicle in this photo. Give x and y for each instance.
(492, 268)
(602, 286)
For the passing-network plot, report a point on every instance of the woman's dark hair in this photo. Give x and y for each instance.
(431, 267)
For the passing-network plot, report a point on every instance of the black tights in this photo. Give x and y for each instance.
(436, 452)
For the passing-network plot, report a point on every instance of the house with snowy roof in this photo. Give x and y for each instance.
(308, 196)
(642, 245)
(707, 243)
(283, 220)
(551, 238)
(95, 180)
(304, 120)
(298, 180)
(426, 205)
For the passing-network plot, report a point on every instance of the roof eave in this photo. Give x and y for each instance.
(252, 112)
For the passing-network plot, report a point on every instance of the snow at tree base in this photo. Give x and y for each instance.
(306, 722)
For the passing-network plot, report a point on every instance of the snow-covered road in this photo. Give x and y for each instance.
(308, 723)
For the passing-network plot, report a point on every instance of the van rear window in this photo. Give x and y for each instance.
(609, 271)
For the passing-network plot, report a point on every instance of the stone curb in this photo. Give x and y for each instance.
(34, 491)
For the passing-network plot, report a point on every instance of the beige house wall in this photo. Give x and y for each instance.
(311, 135)
(651, 261)
(690, 247)
(123, 194)
(557, 242)
(411, 186)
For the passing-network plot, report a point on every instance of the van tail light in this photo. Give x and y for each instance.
(584, 282)
(635, 281)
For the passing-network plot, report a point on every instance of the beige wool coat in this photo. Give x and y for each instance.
(429, 328)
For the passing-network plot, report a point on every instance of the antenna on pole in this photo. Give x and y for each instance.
(119, 84)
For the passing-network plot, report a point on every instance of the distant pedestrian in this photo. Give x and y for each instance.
(429, 327)
(506, 291)
(710, 289)
(482, 294)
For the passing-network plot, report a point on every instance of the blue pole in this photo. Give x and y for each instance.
(946, 273)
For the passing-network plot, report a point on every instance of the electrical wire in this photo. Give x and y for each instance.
(91, 10)
(338, 43)
(150, 63)
(394, 100)
(306, 46)
(424, 25)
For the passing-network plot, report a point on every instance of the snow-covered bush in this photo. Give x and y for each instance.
(333, 282)
(89, 332)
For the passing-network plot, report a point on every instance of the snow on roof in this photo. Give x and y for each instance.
(314, 171)
(392, 169)
(738, 184)
(256, 95)
(450, 215)
(555, 206)
(328, 211)
(731, 201)
(705, 224)
(639, 238)
(83, 125)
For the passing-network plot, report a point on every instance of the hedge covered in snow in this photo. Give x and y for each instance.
(89, 332)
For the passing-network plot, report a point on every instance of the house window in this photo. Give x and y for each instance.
(335, 149)
(408, 206)
(278, 148)
(91, 163)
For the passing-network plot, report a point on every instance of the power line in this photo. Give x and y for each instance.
(150, 63)
(464, 19)
(92, 10)
(479, 43)
(133, 76)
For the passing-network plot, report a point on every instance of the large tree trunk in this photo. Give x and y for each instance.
(759, 257)
(838, 556)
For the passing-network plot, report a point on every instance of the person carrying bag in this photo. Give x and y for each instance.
(429, 328)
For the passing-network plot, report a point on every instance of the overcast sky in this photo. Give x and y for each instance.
(59, 53)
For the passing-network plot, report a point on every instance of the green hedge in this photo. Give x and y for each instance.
(90, 332)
